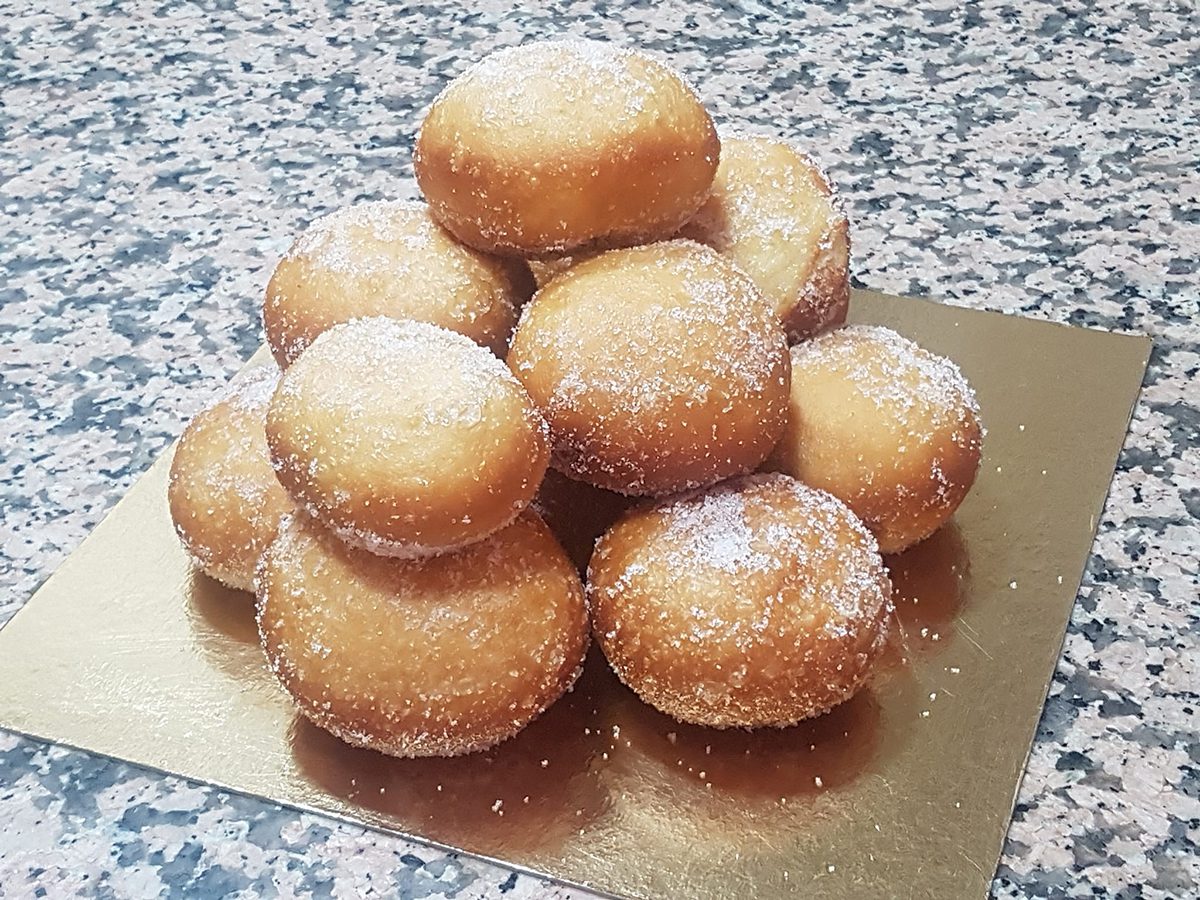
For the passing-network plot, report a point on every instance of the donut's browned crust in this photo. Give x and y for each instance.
(659, 368)
(760, 601)
(224, 499)
(429, 657)
(404, 438)
(389, 259)
(559, 145)
(889, 428)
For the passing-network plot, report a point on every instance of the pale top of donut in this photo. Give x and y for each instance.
(377, 344)
(363, 240)
(335, 242)
(250, 390)
(774, 211)
(389, 258)
(895, 374)
(526, 93)
(706, 538)
(649, 358)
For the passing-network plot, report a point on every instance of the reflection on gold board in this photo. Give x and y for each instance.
(906, 791)
(929, 584)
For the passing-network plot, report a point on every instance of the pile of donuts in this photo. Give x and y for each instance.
(610, 342)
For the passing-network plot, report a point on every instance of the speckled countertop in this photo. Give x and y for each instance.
(155, 159)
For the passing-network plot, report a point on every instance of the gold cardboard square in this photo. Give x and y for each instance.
(906, 791)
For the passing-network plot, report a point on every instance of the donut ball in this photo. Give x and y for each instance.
(659, 368)
(389, 259)
(556, 145)
(890, 429)
(431, 657)
(223, 496)
(760, 601)
(776, 214)
(406, 439)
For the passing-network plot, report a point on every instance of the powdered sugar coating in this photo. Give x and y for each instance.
(890, 428)
(759, 601)
(250, 390)
(892, 372)
(589, 75)
(404, 438)
(224, 499)
(434, 657)
(329, 241)
(756, 188)
(778, 216)
(659, 368)
(710, 529)
(389, 258)
(557, 145)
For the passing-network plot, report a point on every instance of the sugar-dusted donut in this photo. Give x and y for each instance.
(776, 214)
(389, 259)
(427, 657)
(405, 438)
(223, 496)
(557, 145)
(759, 601)
(659, 368)
(886, 426)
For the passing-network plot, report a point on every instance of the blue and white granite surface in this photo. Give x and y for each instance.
(156, 158)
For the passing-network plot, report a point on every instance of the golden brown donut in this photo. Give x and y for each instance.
(224, 499)
(659, 368)
(556, 145)
(760, 601)
(431, 657)
(406, 439)
(389, 259)
(889, 428)
(777, 215)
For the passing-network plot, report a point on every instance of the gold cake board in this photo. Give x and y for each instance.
(906, 791)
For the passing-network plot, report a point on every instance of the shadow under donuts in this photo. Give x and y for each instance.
(224, 632)
(578, 513)
(929, 587)
(813, 756)
(523, 795)
(213, 607)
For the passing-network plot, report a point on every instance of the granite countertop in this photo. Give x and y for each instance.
(1036, 158)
